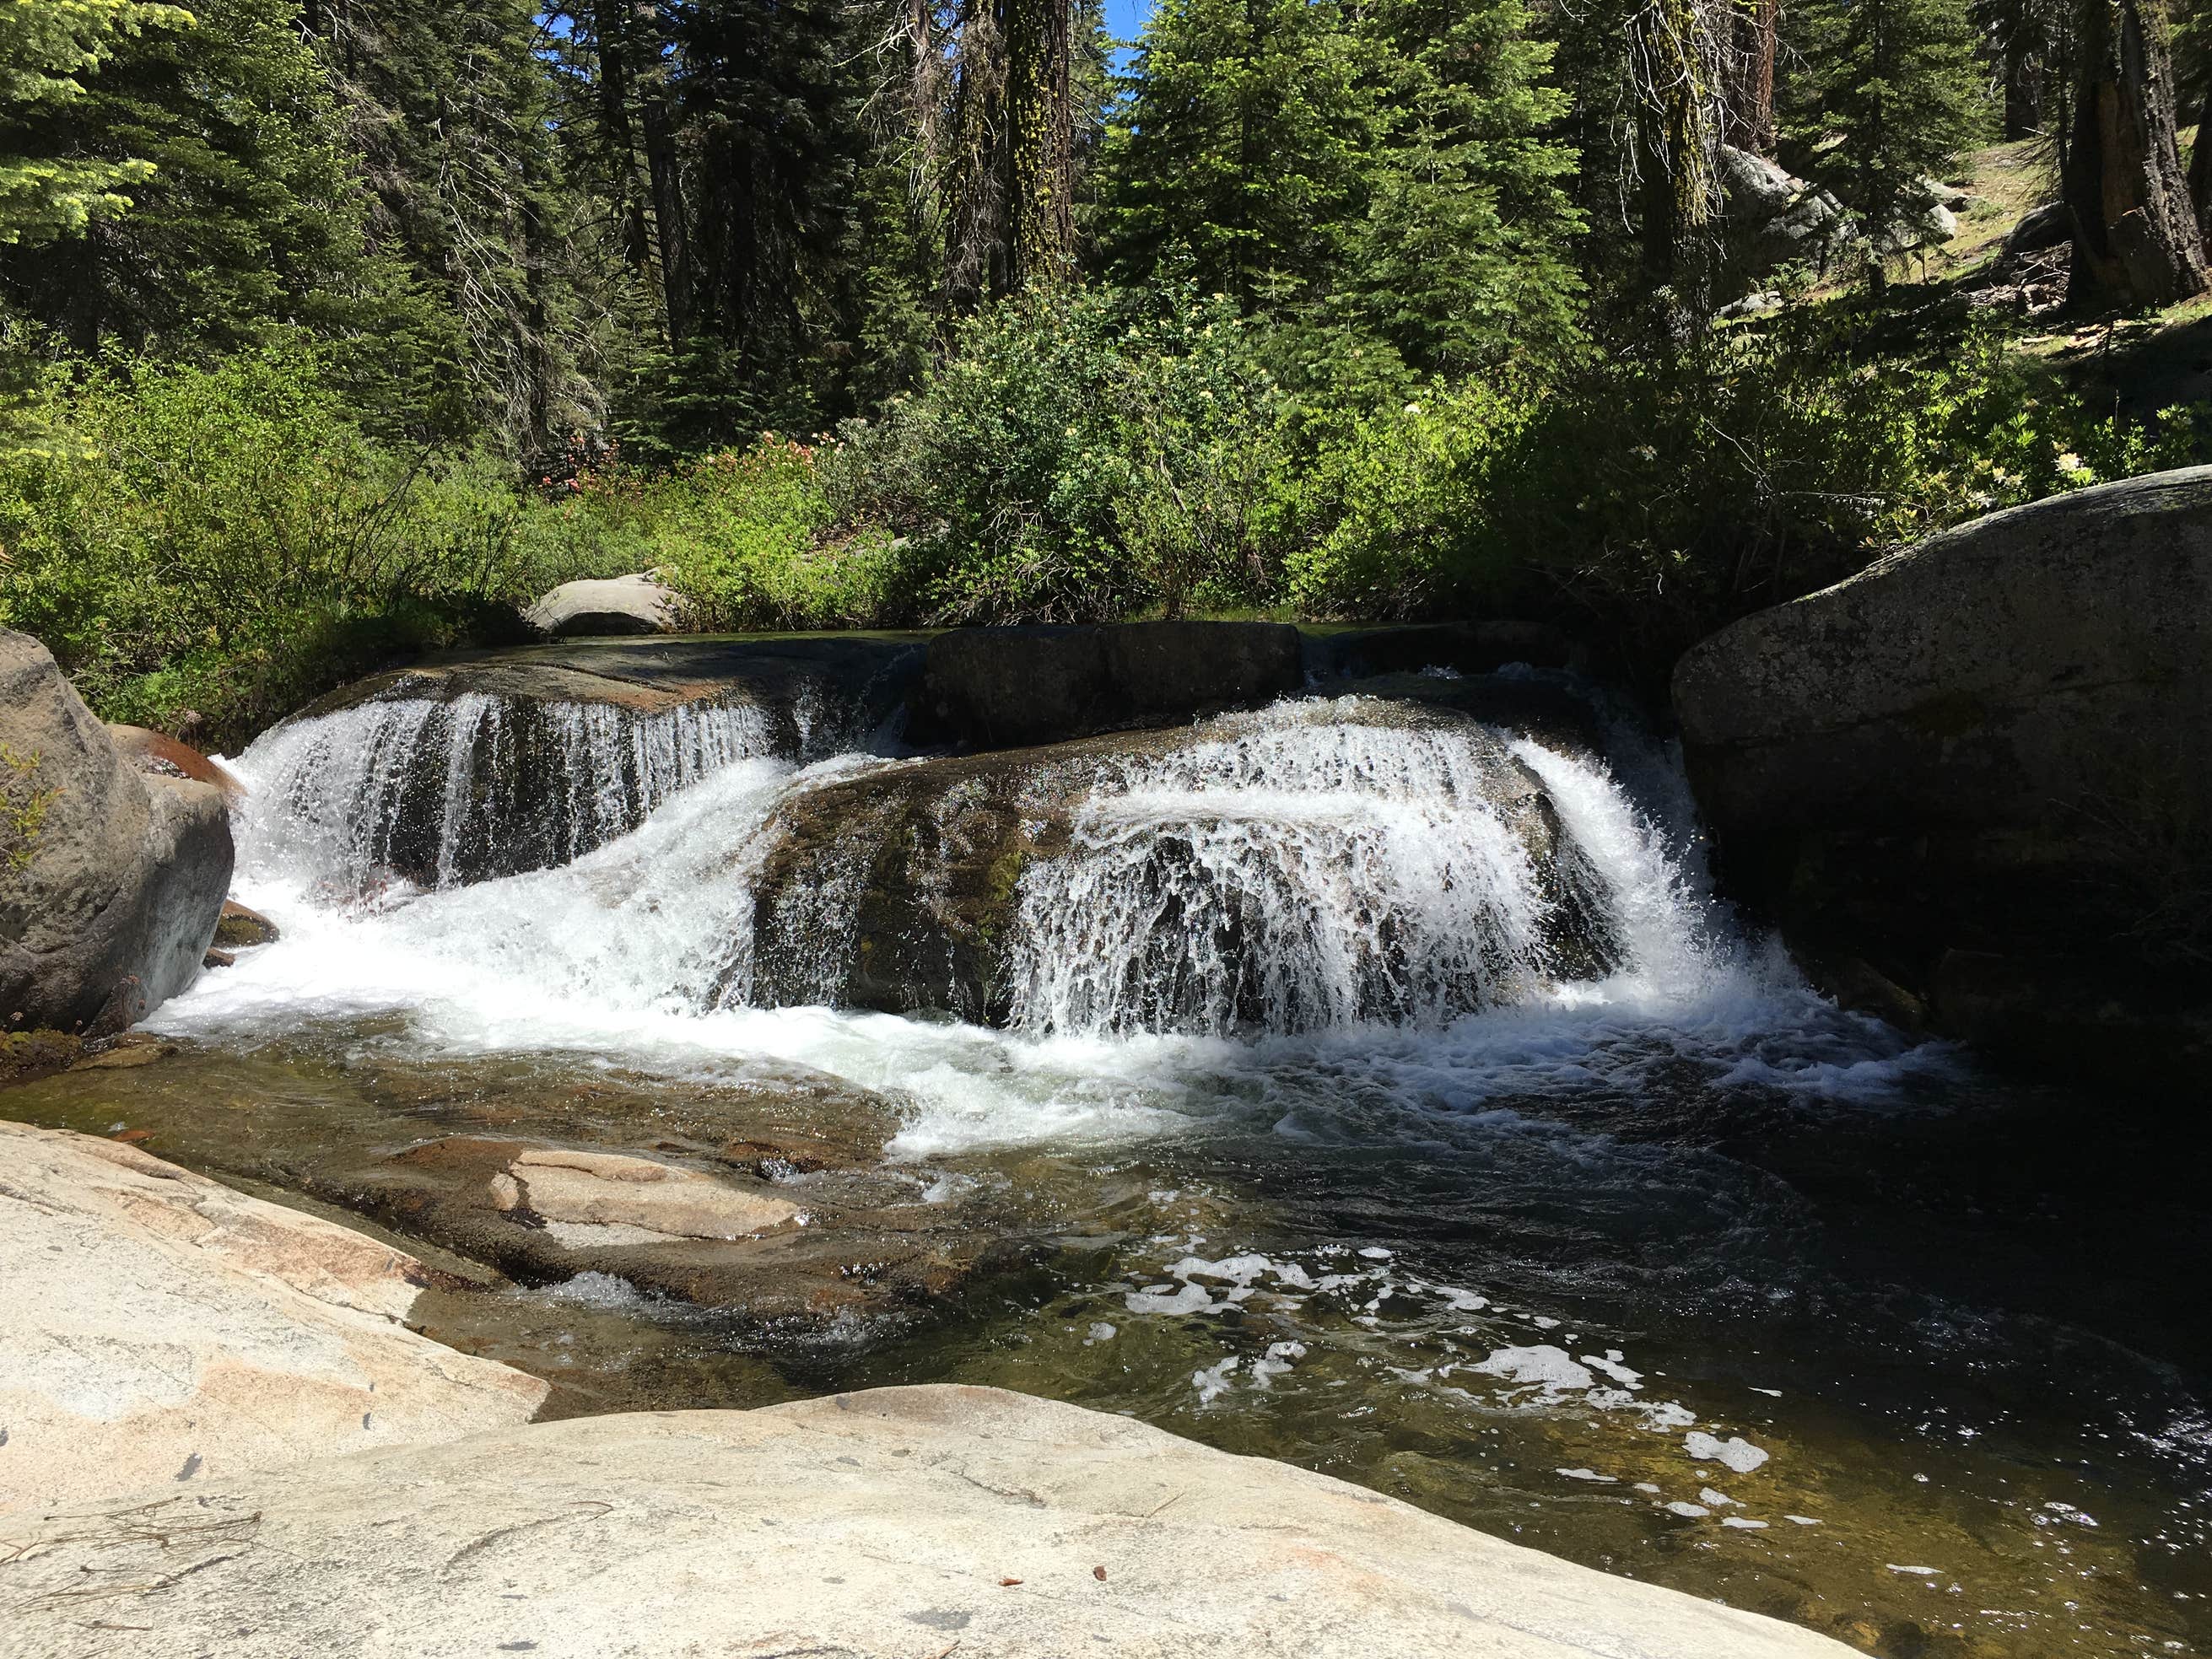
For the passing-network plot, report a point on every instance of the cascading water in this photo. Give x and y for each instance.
(1317, 867)
(440, 793)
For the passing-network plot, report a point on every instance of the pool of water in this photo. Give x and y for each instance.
(1672, 1269)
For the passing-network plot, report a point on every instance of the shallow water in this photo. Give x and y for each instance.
(1680, 1271)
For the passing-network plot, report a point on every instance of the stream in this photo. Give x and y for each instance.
(1391, 1098)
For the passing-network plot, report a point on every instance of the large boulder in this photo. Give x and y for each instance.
(616, 605)
(898, 1523)
(906, 889)
(162, 1329)
(111, 879)
(1002, 687)
(1773, 218)
(1998, 741)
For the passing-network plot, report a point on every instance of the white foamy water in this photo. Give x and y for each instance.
(432, 789)
(1309, 918)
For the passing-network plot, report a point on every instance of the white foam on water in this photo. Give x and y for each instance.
(638, 951)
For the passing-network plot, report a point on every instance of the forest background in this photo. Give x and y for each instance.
(336, 329)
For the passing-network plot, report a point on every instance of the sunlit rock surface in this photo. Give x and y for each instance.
(908, 1524)
(110, 879)
(162, 1329)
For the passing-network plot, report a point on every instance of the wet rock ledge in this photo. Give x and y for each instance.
(180, 1360)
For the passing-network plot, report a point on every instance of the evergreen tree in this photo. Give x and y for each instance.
(48, 188)
(448, 110)
(1889, 92)
(251, 219)
(1464, 247)
(1242, 141)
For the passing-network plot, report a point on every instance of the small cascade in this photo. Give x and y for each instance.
(1316, 868)
(440, 793)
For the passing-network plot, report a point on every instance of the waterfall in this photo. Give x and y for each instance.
(1323, 866)
(439, 794)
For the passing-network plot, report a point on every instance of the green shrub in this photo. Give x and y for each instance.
(223, 544)
(1083, 453)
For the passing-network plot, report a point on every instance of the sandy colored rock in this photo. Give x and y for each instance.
(881, 1525)
(617, 605)
(608, 1189)
(160, 1328)
(110, 879)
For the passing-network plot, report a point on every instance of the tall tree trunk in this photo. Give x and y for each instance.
(1751, 35)
(2023, 111)
(671, 223)
(1670, 61)
(1041, 142)
(2137, 240)
(613, 42)
(2200, 171)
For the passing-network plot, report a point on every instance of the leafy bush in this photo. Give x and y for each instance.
(221, 543)
(1082, 453)
(1659, 494)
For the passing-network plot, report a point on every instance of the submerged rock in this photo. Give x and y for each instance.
(163, 1328)
(999, 688)
(110, 879)
(1319, 864)
(618, 605)
(887, 1524)
(1997, 741)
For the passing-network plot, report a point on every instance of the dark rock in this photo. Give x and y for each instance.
(110, 882)
(218, 959)
(618, 605)
(26, 1056)
(240, 928)
(1463, 648)
(999, 688)
(1997, 741)
(2051, 225)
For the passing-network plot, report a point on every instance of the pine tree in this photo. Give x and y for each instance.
(2136, 238)
(1241, 141)
(252, 218)
(48, 48)
(1889, 94)
(1463, 251)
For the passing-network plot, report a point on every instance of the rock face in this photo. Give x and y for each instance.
(618, 605)
(998, 687)
(1998, 742)
(164, 1330)
(110, 879)
(899, 1523)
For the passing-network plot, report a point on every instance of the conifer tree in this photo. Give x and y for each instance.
(1888, 94)
(48, 48)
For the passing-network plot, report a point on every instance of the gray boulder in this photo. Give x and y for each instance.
(1997, 741)
(111, 879)
(1001, 688)
(897, 1523)
(1773, 218)
(616, 605)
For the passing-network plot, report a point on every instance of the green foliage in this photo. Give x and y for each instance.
(1381, 171)
(23, 806)
(1069, 429)
(1885, 94)
(224, 541)
(47, 49)
(1661, 494)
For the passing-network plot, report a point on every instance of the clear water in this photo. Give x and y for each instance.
(1672, 1269)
